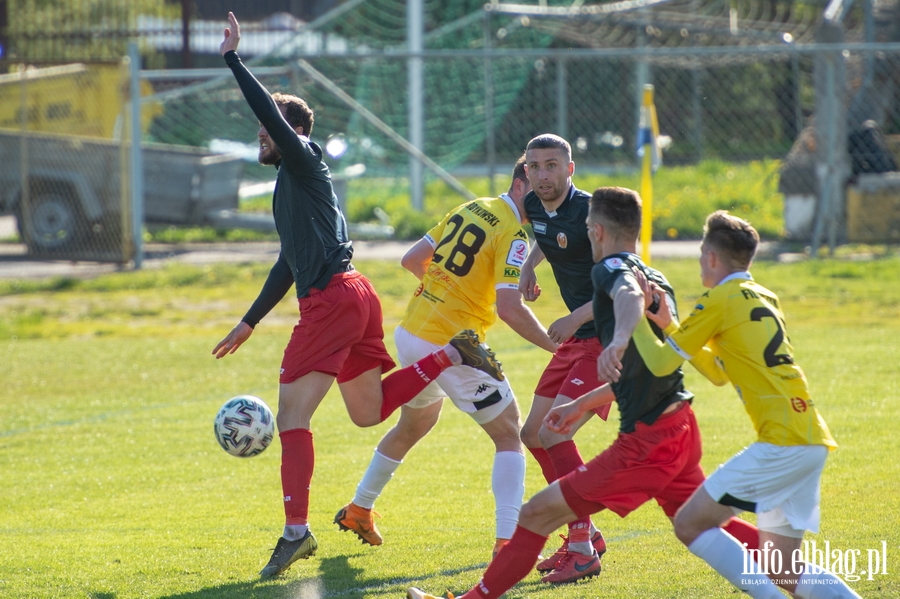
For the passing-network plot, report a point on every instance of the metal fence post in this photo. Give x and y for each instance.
(416, 111)
(137, 162)
(490, 140)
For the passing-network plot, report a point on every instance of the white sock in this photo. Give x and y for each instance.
(377, 475)
(816, 583)
(726, 556)
(508, 484)
(294, 532)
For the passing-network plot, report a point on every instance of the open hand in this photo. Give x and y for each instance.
(233, 340)
(232, 35)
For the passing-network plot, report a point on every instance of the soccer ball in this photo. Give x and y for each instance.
(244, 426)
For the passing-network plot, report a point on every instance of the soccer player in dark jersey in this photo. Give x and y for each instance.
(557, 211)
(340, 335)
(657, 453)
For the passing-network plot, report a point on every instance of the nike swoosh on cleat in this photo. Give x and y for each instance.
(584, 567)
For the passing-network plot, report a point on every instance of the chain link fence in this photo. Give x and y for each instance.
(63, 177)
(742, 83)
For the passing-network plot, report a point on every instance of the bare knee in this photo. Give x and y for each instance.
(533, 422)
(530, 435)
(532, 515)
(411, 430)
(548, 438)
(685, 530)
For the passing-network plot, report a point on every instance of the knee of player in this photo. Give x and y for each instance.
(412, 432)
(548, 438)
(364, 420)
(685, 529)
(530, 434)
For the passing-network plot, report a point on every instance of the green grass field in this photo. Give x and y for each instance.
(113, 486)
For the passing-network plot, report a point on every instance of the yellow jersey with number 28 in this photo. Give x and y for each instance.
(479, 247)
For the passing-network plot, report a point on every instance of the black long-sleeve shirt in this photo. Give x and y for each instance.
(641, 396)
(309, 221)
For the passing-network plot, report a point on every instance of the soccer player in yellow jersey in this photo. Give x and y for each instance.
(469, 265)
(777, 477)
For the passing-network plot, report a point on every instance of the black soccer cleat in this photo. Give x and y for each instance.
(476, 355)
(287, 552)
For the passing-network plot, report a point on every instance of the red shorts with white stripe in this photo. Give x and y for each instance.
(340, 332)
(572, 371)
(660, 461)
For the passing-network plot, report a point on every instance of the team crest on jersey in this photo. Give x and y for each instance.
(562, 240)
(613, 263)
(538, 226)
(518, 250)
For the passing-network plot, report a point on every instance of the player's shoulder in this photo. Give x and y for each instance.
(610, 267)
(581, 195)
(615, 263)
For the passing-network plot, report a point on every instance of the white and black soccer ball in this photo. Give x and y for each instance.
(244, 426)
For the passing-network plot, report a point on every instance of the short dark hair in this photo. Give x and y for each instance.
(550, 141)
(519, 170)
(296, 111)
(733, 237)
(620, 210)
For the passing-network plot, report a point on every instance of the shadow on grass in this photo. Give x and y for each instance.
(336, 578)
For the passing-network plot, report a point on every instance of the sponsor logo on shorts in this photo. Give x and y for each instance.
(287, 498)
(577, 381)
(281, 370)
(799, 404)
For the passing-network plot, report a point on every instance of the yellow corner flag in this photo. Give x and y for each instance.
(648, 150)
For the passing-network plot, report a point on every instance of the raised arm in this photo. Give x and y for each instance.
(261, 103)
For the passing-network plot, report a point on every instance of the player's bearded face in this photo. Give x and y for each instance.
(268, 151)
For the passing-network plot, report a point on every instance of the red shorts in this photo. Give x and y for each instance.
(572, 371)
(339, 333)
(660, 461)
